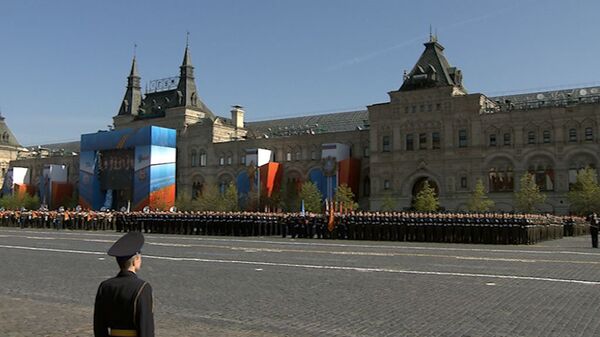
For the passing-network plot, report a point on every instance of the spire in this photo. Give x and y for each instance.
(432, 69)
(133, 95)
(186, 89)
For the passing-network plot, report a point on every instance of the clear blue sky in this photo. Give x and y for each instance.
(63, 64)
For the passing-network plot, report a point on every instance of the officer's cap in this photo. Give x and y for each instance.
(128, 245)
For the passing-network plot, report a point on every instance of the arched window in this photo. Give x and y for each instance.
(589, 134)
(194, 158)
(501, 176)
(222, 159)
(531, 137)
(229, 158)
(578, 163)
(573, 135)
(546, 136)
(197, 187)
(543, 171)
(202, 158)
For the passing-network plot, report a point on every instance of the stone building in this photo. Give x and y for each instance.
(9, 148)
(431, 130)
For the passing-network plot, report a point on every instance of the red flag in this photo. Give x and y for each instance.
(330, 222)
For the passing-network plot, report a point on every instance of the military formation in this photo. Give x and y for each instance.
(486, 228)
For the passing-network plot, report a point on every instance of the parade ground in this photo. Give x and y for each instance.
(270, 286)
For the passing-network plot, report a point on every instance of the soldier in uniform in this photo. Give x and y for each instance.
(123, 304)
(593, 219)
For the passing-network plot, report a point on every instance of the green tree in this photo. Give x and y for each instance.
(389, 203)
(426, 200)
(311, 196)
(15, 202)
(185, 203)
(210, 200)
(528, 196)
(345, 195)
(584, 196)
(229, 199)
(479, 202)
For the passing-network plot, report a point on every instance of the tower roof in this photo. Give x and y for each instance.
(432, 69)
(134, 70)
(7, 138)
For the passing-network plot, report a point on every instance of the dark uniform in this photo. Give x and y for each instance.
(123, 304)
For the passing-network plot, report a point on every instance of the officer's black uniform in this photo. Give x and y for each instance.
(594, 229)
(123, 304)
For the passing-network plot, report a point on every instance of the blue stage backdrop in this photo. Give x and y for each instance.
(134, 167)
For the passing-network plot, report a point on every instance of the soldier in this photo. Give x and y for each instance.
(123, 304)
(593, 219)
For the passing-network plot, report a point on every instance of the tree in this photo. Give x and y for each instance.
(344, 195)
(229, 199)
(210, 200)
(479, 202)
(426, 200)
(388, 204)
(528, 196)
(311, 196)
(584, 197)
(185, 203)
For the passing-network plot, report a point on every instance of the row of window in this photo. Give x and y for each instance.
(199, 158)
(423, 108)
(503, 180)
(409, 141)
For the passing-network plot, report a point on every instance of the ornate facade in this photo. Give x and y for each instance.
(431, 129)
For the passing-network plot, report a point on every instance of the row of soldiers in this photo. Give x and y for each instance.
(66, 219)
(488, 228)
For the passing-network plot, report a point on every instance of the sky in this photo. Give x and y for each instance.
(64, 64)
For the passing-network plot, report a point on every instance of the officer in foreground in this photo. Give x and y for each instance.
(593, 219)
(124, 303)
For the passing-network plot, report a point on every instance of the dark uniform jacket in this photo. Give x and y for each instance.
(124, 302)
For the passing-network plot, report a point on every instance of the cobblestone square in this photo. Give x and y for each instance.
(268, 286)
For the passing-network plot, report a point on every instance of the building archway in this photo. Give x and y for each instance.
(420, 183)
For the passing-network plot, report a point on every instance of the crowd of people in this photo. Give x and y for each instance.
(489, 228)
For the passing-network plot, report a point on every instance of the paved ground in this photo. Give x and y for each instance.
(220, 286)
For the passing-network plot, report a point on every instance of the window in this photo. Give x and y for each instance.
(493, 139)
(531, 137)
(589, 134)
(298, 155)
(386, 144)
(422, 108)
(438, 106)
(462, 138)
(313, 155)
(386, 184)
(463, 182)
(506, 139)
(414, 108)
(572, 135)
(229, 159)
(202, 159)
(435, 140)
(288, 156)
(422, 141)
(366, 152)
(546, 136)
(194, 158)
(575, 169)
(544, 177)
(243, 159)
(501, 180)
(409, 142)
(429, 107)
(222, 160)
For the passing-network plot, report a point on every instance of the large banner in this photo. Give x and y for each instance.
(128, 167)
